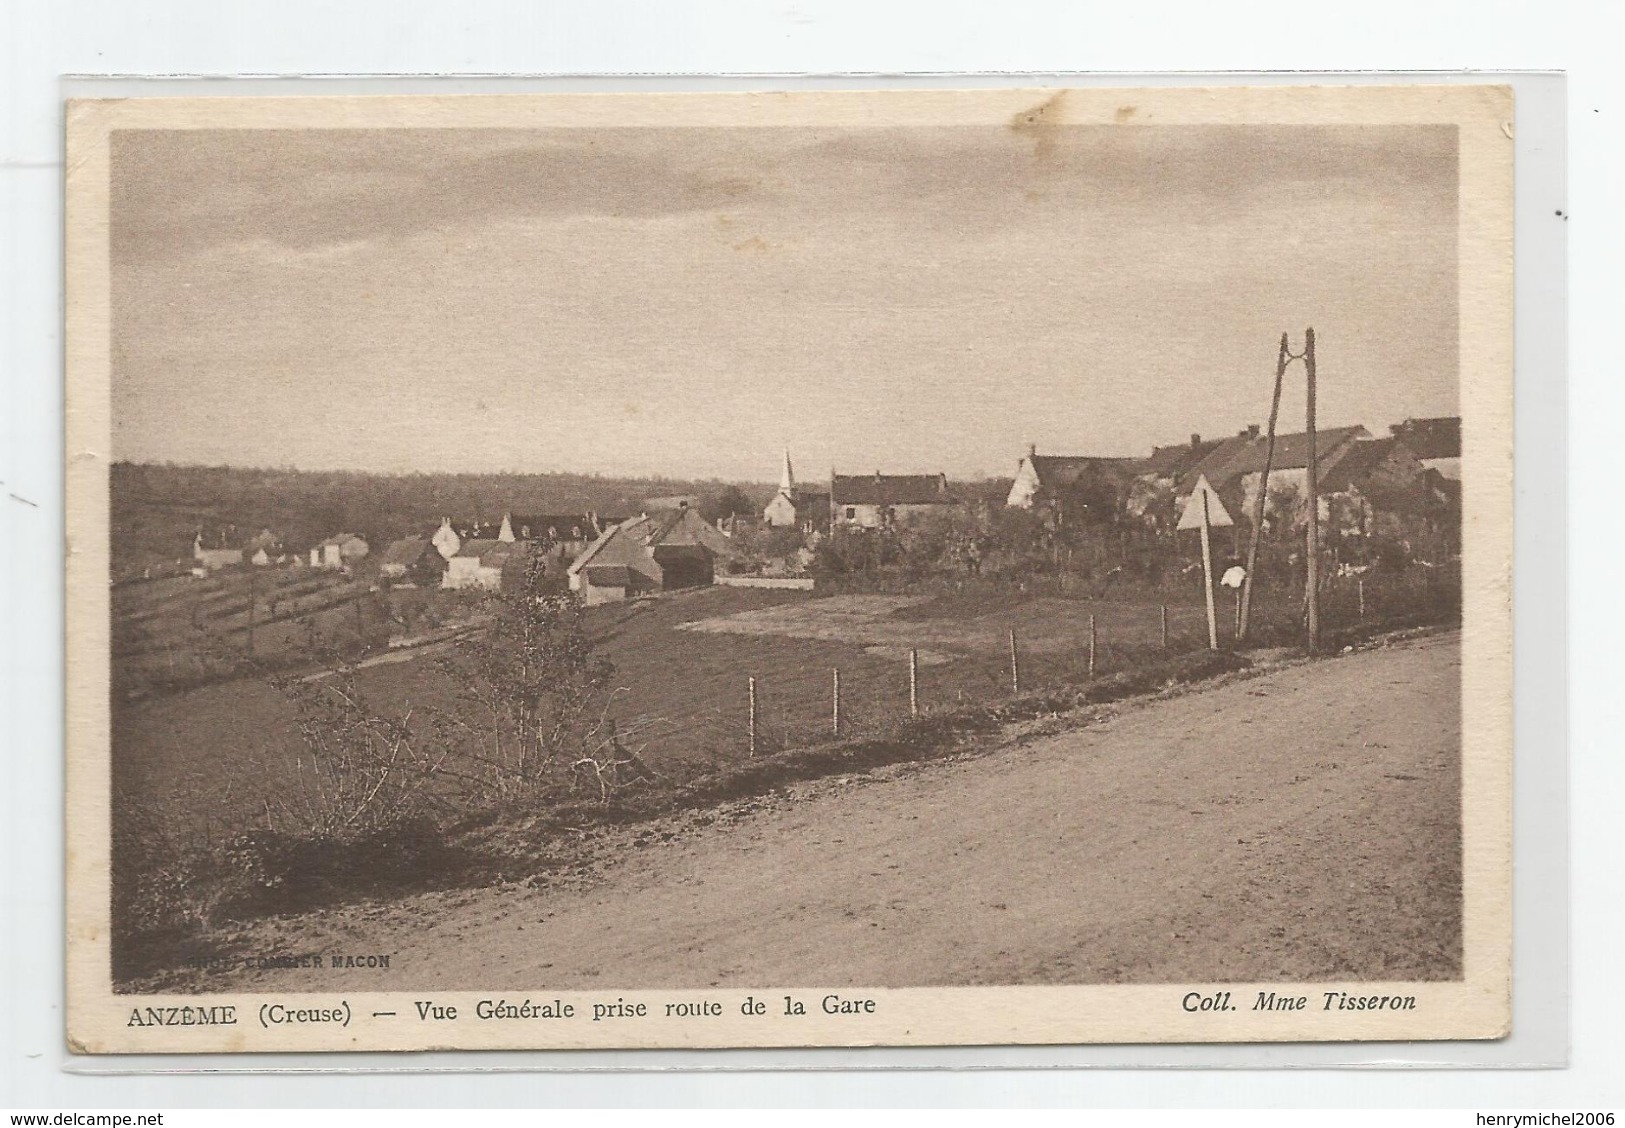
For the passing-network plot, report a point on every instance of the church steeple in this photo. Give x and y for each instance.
(787, 482)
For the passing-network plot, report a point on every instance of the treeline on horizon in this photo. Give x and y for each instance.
(158, 508)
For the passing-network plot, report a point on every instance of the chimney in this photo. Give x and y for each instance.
(1032, 450)
(1196, 440)
(1252, 430)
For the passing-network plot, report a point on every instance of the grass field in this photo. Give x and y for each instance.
(195, 768)
(211, 756)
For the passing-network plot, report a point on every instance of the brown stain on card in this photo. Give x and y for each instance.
(1038, 123)
(1124, 113)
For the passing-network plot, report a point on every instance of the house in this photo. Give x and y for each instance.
(446, 539)
(213, 559)
(1071, 487)
(792, 508)
(264, 547)
(1235, 466)
(342, 550)
(660, 552)
(483, 564)
(1379, 487)
(1289, 467)
(875, 501)
(1435, 442)
(567, 534)
(415, 560)
(1156, 478)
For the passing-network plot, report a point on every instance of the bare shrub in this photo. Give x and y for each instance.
(360, 770)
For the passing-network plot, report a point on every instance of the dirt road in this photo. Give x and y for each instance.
(1302, 824)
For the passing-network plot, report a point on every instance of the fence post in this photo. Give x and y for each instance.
(1091, 648)
(835, 698)
(1165, 626)
(1361, 586)
(752, 715)
(1015, 665)
(914, 683)
(253, 594)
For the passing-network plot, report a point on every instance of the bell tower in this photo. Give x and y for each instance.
(787, 481)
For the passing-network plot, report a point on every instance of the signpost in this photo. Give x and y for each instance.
(1204, 510)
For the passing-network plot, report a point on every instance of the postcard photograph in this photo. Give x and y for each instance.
(807, 569)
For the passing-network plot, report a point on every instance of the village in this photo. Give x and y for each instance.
(1403, 485)
(715, 632)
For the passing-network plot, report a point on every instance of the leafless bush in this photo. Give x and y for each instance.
(360, 770)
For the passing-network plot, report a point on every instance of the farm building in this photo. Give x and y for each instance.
(414, 560)
(1075, 487)
(661, 552)
(213, 559)
(792, 508)
(483, 564)
(1435, 442)
(874, 501)
(342, 550)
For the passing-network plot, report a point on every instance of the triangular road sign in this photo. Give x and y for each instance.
(1217, 516)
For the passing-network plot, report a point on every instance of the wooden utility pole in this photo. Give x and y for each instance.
(1281, 361)
(1312, 576)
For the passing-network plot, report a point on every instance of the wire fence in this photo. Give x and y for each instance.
(874, 692)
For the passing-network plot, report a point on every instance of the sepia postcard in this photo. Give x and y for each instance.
(789, 569)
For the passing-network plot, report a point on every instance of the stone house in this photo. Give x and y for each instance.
(879, 501)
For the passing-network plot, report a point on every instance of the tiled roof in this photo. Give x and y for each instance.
(1245, 454)
(1172, 461)
(1057, 471)
(890, 489)
(1431, 438)
(1357, 462)
(405, 551)
(608, 575)
(490, 552)
(565, 526)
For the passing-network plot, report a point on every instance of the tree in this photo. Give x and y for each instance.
(532, 698)
(728, 501)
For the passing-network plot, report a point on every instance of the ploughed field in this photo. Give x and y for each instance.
(215, 758)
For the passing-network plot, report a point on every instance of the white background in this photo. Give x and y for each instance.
(42, 41)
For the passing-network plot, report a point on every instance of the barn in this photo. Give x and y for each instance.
(662, 552)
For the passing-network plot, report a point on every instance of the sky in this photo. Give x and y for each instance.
(692, 301)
